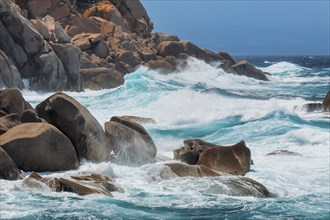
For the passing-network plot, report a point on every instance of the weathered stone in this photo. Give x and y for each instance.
(246, 69)
(9, 121)
(9, 75)
(29, 116)
(283, 152)
(136, 16)
(46, 72)
(12, 101)
(101, 78)
(131, 143)
(70, 58)
(101, 49)
(60, 34)
(191, 151)
(39, 147)
(183, 170)
(326, 103)
(235, 159)
(11, 48)
(78, 124)
(85, 25)
(137, 119)
(107, 11)
(85, 184)
(170, 48)
(20, 29)
(8, 168)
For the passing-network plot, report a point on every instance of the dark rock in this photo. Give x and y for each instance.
(183, 170)
(9, 75)
(137, 119)
(326, 103)
(107, 11)
(70, 58)
(39, 147)
(85, 184)
(12, 101)
(235, 159)
(246, 69)
(9, 121)
(8, 168)
(312, 107)
(131, 143)
(78, 124)
(20, 29)
(101, 78)
(191, 150)
(45, 71)
(11, 48)
(170, 48)
(29, 116)
(283, 152)
(101, 50)
(136, 16)
(84, 24)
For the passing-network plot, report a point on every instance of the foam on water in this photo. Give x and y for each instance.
(203, 102)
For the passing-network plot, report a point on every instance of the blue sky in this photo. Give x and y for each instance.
(282, 27)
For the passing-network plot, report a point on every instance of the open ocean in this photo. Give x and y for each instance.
(203, 102)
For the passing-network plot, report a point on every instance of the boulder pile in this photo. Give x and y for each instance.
(72, 45)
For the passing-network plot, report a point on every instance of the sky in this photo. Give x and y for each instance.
(246, 27)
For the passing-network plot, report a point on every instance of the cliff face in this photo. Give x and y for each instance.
(76, 44)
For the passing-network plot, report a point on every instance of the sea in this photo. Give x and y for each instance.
(201, 101)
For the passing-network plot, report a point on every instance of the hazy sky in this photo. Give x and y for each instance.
(259, 27)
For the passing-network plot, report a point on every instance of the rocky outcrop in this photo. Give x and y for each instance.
(39, 147)
(12, 101)
(78, 124)
(183, 170)
(84, 184)
(283, 152)
(112, 34)
(9, 121)
(318, 106)
(235, 159)
(8, 168)
(326, 103)
(233, 185)
(131, 143)
(137, 119)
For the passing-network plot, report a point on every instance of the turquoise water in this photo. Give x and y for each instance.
(203, 102)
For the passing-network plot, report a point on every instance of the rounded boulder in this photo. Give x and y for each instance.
(39, 147)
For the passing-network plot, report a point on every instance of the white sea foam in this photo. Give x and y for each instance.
(199, 99)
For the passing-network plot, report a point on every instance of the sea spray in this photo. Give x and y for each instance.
(204, 102)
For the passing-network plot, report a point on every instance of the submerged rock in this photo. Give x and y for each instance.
(131, 143)
(139, 120)
(39, 147)
(283, 152)
(326, 103)
(78, 124)
(183, 170)
(235, 159)
(84, 184)
(8, 168)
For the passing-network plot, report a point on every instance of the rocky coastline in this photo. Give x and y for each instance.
(72, 45)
